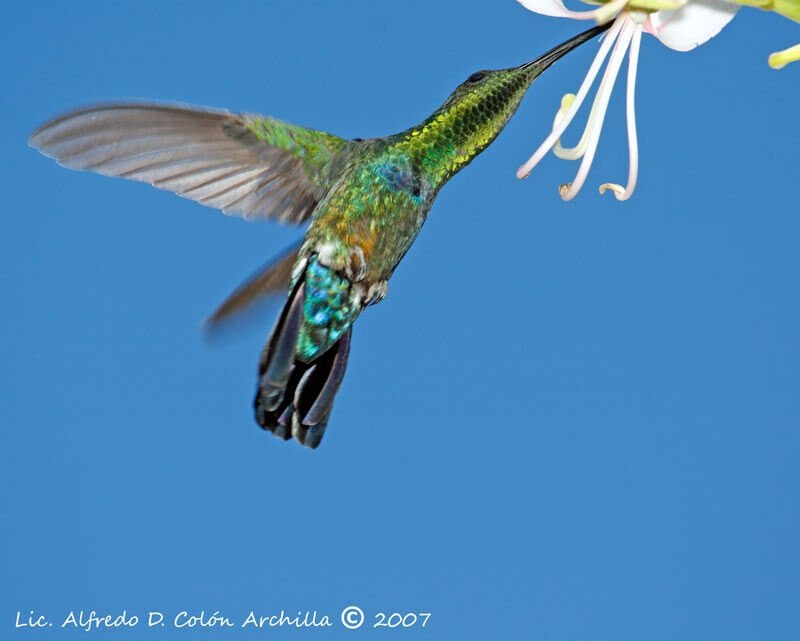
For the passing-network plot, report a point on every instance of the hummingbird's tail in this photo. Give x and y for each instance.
(295, 397)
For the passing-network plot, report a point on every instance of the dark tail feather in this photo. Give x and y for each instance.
(313, 397)
(277, 360)
(296, 398)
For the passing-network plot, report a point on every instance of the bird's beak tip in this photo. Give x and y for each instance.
(544, 61)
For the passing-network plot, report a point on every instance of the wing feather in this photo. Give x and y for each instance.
(253, 166)
(272, 279)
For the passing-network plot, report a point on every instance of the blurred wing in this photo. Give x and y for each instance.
(272, 279)
(253, 166)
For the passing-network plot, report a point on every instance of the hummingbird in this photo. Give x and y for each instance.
(366, 199)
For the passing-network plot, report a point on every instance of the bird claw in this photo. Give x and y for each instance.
(377, 292)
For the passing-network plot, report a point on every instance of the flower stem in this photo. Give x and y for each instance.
(787, 8)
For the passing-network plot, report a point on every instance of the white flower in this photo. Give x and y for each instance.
(679, 24)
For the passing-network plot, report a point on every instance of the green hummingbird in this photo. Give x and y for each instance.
(366, 199)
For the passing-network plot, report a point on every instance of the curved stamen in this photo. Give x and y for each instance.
(604, 95)
(573, 153)
(621, 193)
(526, 169)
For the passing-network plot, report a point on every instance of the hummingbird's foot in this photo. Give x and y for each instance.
(376, 292)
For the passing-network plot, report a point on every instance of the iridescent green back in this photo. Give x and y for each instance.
(318, 151)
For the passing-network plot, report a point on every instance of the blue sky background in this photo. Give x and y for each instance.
(568, 421)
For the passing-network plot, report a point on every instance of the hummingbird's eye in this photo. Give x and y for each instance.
(478, 75)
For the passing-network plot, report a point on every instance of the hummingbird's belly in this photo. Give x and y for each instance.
(347, 261)
(373, 226)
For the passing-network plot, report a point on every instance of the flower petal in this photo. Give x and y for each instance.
(684, 29)
(556, 9)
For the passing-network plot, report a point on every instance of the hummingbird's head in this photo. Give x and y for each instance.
(491, 96)
(476, 112)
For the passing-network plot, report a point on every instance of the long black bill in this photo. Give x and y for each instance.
(564, 48)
